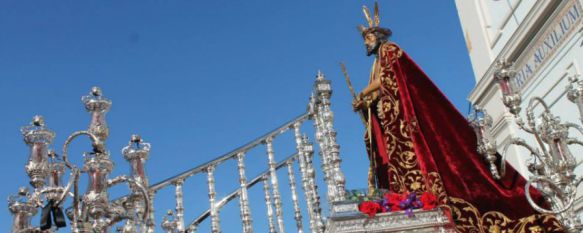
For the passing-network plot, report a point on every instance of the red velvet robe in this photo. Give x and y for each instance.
(422, 143)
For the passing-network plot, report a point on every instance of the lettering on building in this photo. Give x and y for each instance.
(550, 40)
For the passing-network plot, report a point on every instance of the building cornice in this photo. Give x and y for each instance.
(533, 24)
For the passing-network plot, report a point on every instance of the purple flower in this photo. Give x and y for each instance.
(407, 202)
(418, 204)
(386, 205)
(409, 212)
(412, 196)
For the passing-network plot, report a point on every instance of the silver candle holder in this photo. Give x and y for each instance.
(551, 162)
(92, 211)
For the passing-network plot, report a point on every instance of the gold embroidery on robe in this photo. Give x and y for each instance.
(405, 173)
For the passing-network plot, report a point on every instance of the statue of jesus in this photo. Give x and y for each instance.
(418, 142)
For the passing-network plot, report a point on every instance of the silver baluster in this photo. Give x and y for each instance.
(243, 196)
(275, 184)
(338, 175)
(193, 228)
(311, 173)
(268, 204)
(214, 212)
(151, 220)
(325, 159)
(292, 186)
(331, 149)
(304, 176)
(179, 205)
(318, 110)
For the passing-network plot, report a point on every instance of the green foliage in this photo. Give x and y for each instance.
(361, 195)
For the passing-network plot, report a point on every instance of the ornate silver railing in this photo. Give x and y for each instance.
(319, 112)
(94, 212)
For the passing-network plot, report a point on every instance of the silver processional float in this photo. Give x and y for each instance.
(552, 166)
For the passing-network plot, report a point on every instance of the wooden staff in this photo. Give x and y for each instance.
(352, 91)
(368, 126)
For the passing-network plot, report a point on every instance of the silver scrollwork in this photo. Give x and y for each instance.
(552, 164)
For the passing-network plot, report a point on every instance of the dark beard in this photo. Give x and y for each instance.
(370, 51)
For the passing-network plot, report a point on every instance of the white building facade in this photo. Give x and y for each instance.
(544, 40)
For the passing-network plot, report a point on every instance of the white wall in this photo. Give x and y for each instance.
(503, 29)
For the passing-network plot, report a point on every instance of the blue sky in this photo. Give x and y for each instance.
(199, 78)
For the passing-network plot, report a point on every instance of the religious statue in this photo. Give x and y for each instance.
(417, 141)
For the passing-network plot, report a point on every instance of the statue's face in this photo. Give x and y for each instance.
(371, 42)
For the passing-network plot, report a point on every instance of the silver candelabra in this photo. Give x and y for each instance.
(95, 212)
(551, 162)
(92, 211)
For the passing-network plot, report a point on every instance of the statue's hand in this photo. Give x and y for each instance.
(357, 104)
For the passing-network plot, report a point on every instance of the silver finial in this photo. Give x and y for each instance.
(136, 138)
(505, 69)
(96, 91)
(38, 120)
(23, 191)
(320, 75)
(52, 154)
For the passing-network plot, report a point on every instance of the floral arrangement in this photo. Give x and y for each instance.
(397, 202)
